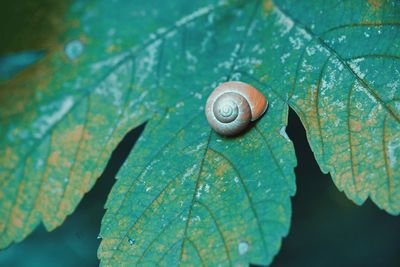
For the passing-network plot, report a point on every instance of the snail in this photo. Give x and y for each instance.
(232, 106)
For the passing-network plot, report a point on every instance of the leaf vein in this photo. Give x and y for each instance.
(249, 198)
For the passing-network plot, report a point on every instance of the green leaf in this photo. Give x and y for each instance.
(53, 162)
(338, 62)
(192, 197)
(173, 201)
(186, 195)
(60, 147)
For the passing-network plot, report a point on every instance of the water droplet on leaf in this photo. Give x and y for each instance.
(243, 247)
(73, 49)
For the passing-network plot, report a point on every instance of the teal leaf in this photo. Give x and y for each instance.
(186, 195)
(338, 64)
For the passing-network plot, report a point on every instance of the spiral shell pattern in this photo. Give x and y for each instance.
(232, 106)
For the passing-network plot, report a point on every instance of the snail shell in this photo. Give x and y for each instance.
(232, 106)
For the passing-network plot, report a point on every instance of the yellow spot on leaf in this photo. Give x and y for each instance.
(53, 159)
(75, 135)
(267, 7)
(355, 126)
(376, 4)
(112, 48)
(16, 219)
(222, 169)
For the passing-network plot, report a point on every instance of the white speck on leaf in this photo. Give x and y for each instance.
(283, 57)
(297, 43)
(147, 62)
(39, 163)
(393, 150)
(303, 33)
(198, 13)
(243, 247)
(188, 173)
(44, 123)
(180, 104)
(356, 68)
(207, 188)
(284, 21)
(198, 147)
(196, 219)
(342, 38)
(112, 61)
(393, 87)
(190, 57)
(73, 49)
(310, 50)
(360, 88)
(198, 96)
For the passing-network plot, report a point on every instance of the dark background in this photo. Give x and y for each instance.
(327, 229)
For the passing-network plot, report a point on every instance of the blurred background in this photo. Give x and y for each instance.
(327, 229)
